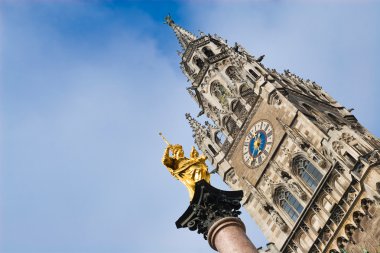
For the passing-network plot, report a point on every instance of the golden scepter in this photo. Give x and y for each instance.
(163, 137)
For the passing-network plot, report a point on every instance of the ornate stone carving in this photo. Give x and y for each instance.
(294, 187)
(337, 214)
(316, 208)
(208, 205)
(374, 157)
(337, 147)
(303, 144)
(274, 99)
(276, 217)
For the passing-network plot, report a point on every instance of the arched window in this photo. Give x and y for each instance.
(220, 92)
(211, 148)
(307, 172)
(198, 62)
(248, 94)
(253, 73)
(208, 52)
(288, 203)
(232, 73)
(231, 126)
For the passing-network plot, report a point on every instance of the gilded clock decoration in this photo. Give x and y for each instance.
(258, 143)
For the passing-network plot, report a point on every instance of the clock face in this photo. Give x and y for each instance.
(258, 143)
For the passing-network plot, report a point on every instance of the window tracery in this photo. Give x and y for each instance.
(288, 203)
(221, 93)
(307, 172)
(232, 73)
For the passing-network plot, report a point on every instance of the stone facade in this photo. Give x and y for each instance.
(317, 188)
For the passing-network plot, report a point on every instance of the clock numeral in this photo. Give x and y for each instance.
(269, 134)
(261, 125)
(266, 127)
(265, 152)
(269, 143)
(246, 144)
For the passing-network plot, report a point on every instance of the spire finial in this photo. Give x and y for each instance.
(168, 20)
(184, 37)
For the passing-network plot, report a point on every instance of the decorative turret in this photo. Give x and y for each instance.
(184, 37)
(199, 131)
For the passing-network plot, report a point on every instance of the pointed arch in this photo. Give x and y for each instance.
(220, 92)
(208, 52)
(288, 202)
(232, 73)
(230, 125)
(306, 171)
(198, 61)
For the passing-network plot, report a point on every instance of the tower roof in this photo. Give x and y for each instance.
(184, 37)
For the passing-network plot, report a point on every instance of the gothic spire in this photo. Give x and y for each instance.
(184, 37)
(199, 131)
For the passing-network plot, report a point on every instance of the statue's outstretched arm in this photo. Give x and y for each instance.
(166, 159)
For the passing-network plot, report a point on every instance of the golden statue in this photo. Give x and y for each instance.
(187, 170)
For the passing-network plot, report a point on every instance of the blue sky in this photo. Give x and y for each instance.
(87, 85)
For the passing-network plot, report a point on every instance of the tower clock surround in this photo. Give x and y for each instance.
(258, 143)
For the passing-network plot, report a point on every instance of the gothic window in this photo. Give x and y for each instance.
(232, 73)
(221, 93)
(307, 172)
(239, 109)
(211, 148)
(220, 138)
(230, 126)
(253, 73)
(248, 94)
(245, 91)
(288, 203)
(208, 52)
(198, 62)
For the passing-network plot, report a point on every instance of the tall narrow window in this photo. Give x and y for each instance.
(233, 73)
(231, 126)
(289, 203)
(307, 172)
(256, 76)
(208, 52)
(198, 62)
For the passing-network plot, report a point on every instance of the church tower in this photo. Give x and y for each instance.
(309, 170)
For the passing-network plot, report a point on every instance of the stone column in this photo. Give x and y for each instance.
(214, 213)
(227, 235)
